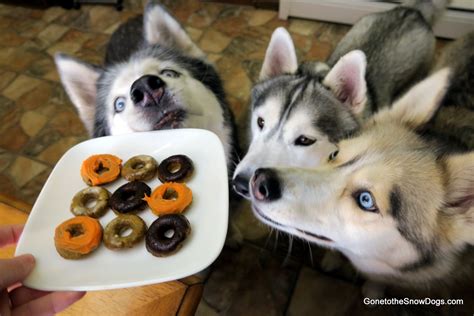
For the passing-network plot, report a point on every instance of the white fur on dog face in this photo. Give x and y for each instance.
(274, 144)
(202, 107)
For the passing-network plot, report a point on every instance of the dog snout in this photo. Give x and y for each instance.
(147, 90)
(266, 185)
(241, 185)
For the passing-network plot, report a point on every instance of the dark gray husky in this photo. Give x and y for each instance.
(300, 113)
(154, 78)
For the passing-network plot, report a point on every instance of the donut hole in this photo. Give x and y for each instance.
(138, 165)
(75, 230)
(101, 169)
(173, 167)
(125, 231)
(90, 201)
(170, 194)
(169, 233)
(128, 196)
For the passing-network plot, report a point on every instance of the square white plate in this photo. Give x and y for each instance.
(107, 269)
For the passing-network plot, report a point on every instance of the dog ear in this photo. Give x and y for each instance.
(79, 80)
(417, 106)
(280, 57)
(160, 27)
(347, 80)
(460, 194)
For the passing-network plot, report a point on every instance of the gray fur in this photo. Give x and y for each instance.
(454, 122)
(399, 45)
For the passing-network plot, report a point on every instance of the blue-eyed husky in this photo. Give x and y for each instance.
(154, 78)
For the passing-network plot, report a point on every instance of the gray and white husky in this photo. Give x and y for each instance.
(397, 200)
(300, 113)
(154, 78)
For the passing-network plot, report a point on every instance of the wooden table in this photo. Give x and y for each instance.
(171, 298)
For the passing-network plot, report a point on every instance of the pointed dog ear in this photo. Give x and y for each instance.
(80, 82)
(280, 57)
(460, 194)
(347, 80)
(160, 27)
(417, 106)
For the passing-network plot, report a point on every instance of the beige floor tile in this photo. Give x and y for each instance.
(24, 169)
(21, 85)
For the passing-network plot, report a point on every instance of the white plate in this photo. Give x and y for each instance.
(107, 269)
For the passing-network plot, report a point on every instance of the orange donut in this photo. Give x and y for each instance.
(77, 237)
(169, 198)
(100, 169)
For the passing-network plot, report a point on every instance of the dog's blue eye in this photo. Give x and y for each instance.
(119, 104)
(169, 73)
(366, 201)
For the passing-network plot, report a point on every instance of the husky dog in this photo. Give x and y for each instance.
(300, 113)
(399, 205)
(154, 78)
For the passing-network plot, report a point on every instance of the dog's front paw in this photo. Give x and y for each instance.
(373, 290)
(331, 261)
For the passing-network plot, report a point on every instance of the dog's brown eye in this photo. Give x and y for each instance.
(304, 141)
(260, 122)
(333, 155)
(169, 73)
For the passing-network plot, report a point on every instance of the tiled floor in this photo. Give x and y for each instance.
(38, 124)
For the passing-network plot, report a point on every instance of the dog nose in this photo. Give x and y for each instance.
(241, 185)
(266, 185)
(147, 90)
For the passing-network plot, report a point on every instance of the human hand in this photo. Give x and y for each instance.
(16, 299)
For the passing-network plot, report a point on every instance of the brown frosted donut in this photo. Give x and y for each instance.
(129, 198)
(113, 238)
(139, 168)
(80, 201)
(177, 168)
(159, 243)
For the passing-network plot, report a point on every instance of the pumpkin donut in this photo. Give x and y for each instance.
(169, 198)
(100, 169)
(77, 237)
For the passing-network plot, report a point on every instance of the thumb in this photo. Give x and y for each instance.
(15, 270)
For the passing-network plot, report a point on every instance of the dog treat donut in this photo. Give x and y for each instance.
(176, 168)
(113, 238)
(169, 198)
(139, 168)
(100, 169)
(158, 241)
(129, 197)
(77, 237)
(79, 204)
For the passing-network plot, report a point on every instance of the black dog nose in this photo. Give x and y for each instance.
(147, 90)
(266, 185)
(241, 185)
